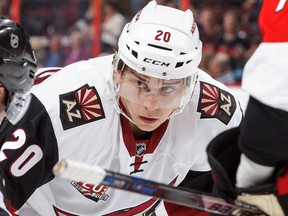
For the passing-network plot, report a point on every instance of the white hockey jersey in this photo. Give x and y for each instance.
(265, 74)
(72, 116)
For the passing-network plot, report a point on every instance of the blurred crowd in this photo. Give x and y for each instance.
(62, 31)
(229, 32)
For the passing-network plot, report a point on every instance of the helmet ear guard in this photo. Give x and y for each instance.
(118, 63)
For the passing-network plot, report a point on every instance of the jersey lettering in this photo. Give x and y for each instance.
(31, 155)
(95, 188)
(70, 105)
(226, 107)
(27, 160)
(280, 5)
(90, 191)
(20, 139)
(272, 21)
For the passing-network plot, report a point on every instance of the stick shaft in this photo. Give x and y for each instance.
(96, 175)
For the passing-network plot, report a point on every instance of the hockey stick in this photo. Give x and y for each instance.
(72, 170)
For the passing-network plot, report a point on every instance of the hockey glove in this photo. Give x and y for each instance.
(224, 158)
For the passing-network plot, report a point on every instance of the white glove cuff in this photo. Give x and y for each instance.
(250, 173)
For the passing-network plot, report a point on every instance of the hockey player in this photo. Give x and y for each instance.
(263, 151)
(17, 69)
(148, 111)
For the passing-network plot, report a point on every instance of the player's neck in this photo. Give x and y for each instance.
(139, 134)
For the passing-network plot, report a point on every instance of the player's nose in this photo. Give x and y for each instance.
(150, 102)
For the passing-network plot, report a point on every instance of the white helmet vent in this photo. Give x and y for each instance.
(160, 47)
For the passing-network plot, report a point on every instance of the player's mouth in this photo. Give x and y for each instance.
(147, 120)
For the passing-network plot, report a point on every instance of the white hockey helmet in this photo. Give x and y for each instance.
(161, 42)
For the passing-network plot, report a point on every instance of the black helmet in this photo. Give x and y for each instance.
(17, 58)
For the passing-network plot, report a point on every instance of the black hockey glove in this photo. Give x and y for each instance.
(224, 158)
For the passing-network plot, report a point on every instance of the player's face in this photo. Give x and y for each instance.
(144, 117)
(149, 101)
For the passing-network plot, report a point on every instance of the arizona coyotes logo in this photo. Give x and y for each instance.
(14, 40)
(80, 107)
(216, 103)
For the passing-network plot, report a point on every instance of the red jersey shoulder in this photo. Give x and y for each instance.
(215, 103)
(80, 106)
(273, 19)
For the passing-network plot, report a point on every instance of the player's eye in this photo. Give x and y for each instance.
(167, 89)
(140, 84)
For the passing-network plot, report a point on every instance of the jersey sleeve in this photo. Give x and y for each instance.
(273, 19)
(29, 151)
(265, 73)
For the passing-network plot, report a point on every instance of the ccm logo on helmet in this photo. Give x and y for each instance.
(155, 62)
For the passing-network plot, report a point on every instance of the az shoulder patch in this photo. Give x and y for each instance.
(216, 103)
(80, 107)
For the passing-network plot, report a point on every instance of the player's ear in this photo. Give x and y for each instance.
(117, 76)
